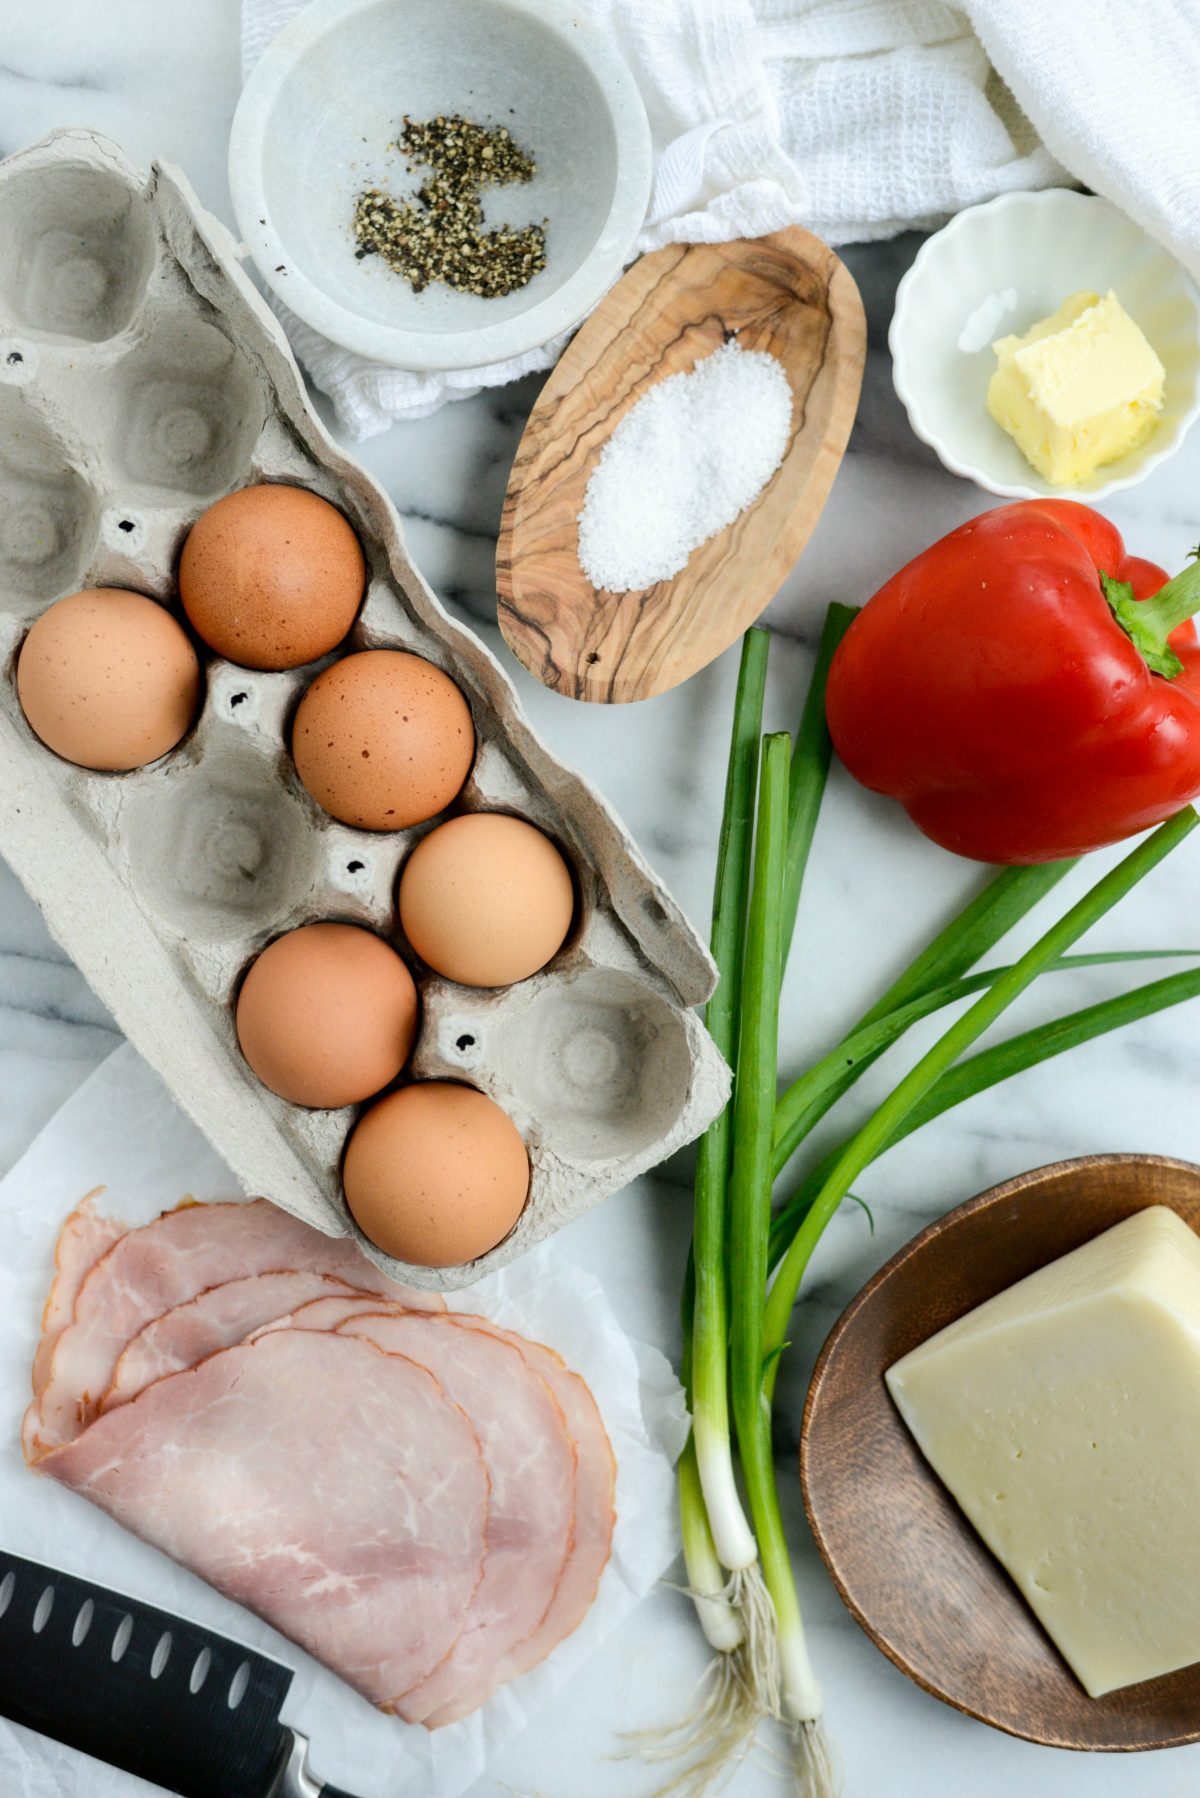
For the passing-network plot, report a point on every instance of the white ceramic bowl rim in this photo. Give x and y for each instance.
(395, 345)
(930, 249)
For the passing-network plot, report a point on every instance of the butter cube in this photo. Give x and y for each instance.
(1078, 390)
(1064, 1417)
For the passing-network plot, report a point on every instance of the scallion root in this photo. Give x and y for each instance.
(714, 1737)
(753, 1604)
(815, 1764)
(737, 1693)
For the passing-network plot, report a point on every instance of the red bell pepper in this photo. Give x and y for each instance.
(1024, 688)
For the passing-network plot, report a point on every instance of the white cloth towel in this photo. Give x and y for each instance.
(858, 119)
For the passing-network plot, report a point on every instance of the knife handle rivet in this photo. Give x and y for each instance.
(8, 1586)
(200, 1670)
(237, 1686)
(162, 1654)
(41, 1615)
(83, 1623)
(121, 1639)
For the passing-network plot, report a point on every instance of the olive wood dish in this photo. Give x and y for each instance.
(904, 1558)
(787, 294)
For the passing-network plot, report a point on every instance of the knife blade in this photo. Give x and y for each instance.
(184, 1707)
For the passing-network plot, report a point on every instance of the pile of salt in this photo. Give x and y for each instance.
(683, 463)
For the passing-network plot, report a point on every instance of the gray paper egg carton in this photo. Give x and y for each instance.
(141, 376)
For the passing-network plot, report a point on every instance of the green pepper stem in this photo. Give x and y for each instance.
(1148, 623)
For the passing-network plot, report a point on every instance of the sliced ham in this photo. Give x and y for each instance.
(165, 1263)
(332, 1488)
(86, 1235)
(595, 1490)
(322, 1314)
(594, 1514)
(530, 1460)
(216, 1319)
(422, 1499)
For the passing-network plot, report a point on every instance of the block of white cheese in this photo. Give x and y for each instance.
(1064, 1417)
(1079, 390)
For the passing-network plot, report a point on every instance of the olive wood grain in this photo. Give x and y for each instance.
(904, 1558)
(787, 294)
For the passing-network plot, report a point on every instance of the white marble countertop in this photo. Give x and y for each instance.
(163, 82)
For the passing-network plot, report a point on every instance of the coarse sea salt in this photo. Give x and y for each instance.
(683, 463)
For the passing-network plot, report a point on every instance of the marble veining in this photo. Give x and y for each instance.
(167, 87)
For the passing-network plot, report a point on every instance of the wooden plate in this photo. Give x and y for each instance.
(905, 1559)
(787, 294)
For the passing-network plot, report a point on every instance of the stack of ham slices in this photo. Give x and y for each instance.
(422, 1500)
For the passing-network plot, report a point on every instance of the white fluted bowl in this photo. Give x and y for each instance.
(999, 268)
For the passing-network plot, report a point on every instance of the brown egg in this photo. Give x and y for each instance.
(272, 577)
(327, 1015)
(383, 740)
(436, 1174)
(486, 899)
(108, 679)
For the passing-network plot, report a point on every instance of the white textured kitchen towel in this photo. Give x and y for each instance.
(858, 118)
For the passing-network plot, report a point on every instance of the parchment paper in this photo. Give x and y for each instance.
(122, 1130)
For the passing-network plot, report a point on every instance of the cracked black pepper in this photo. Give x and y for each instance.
(439, 234)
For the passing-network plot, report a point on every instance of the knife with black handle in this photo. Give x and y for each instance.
(181, 1706)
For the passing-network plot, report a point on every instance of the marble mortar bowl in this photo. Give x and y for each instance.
(326, 100)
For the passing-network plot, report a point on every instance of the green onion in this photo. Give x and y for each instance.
(1003, 1060)
(750, 1219)
(808, 1099)
(810, 767)
(886, 1121)
(707, 1584)
(708, 1326)
(981, 924)
(989, 1067)
(759, 1666)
